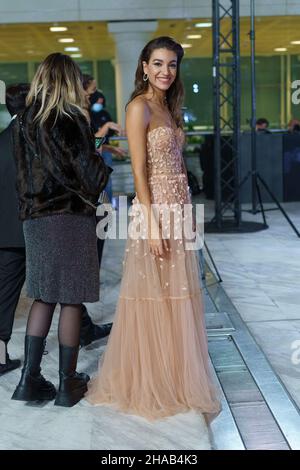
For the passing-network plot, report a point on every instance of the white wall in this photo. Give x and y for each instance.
(30, 11)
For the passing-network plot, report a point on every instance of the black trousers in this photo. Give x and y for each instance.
(12, 278)
(100, 246)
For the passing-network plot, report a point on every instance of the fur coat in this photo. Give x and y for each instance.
(54, 156)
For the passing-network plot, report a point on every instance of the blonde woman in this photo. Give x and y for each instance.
(59, 177)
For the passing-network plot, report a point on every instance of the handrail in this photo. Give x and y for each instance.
(209, 132)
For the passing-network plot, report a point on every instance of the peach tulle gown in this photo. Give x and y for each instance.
(156, 361)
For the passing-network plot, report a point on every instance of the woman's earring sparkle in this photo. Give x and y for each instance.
(145, 77)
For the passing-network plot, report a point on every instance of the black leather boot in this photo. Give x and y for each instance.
(33, 386)
(72, 386)
(90, 332)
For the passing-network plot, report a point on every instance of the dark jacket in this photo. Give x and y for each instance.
(11, 228)
(48, 159)
(98, 119)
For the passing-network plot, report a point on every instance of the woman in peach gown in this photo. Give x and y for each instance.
(156, 363)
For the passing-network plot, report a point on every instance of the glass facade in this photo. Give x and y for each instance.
(196, 75)
(268, 90)
(295, 75)
(11, 73)
(106, 81)
(273, 80)
(197, 78)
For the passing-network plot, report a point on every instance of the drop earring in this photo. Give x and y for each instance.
(145, 77)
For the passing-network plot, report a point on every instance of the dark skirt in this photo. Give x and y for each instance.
(61, 259)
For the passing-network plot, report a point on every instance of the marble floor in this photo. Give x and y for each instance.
(261, 275)
(44, 426)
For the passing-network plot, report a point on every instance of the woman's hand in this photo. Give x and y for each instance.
(158, 247)
(116, 127)
(103, 131)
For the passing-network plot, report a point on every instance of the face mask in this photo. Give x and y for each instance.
(97, 107)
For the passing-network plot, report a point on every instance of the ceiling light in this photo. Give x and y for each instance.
(295, 42)
(194, 36)
(186, 46)
(203, 25)
(280, 49)
(58, 29)
(66, 40)
(72, 49)
(76, 56)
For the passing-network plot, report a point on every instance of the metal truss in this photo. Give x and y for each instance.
(227, 98)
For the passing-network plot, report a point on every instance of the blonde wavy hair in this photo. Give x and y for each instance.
(57, 85)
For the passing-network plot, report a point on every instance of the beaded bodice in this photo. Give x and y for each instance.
(164, 148)
(165, 167)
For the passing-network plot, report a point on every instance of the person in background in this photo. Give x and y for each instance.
(102, 126)
(294, 126)
(89, 331)
(12, 245)
(262, 126)
(59, 178)
(102, 123)
(89, 84)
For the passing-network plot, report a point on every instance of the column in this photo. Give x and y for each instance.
(130, 38)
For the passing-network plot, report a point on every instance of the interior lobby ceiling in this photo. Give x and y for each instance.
(32, 42)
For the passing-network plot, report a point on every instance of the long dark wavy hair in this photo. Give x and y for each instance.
(175, 93)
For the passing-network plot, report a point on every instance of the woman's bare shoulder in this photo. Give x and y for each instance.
(139, 104)
(139, 109)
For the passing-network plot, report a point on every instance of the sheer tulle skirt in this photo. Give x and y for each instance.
(156, 363)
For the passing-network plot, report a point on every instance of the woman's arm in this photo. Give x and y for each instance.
(117, 152)
(137, 121)
(103, 131)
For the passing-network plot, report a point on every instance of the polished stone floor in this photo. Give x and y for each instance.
(261, 275)
(44, 426)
